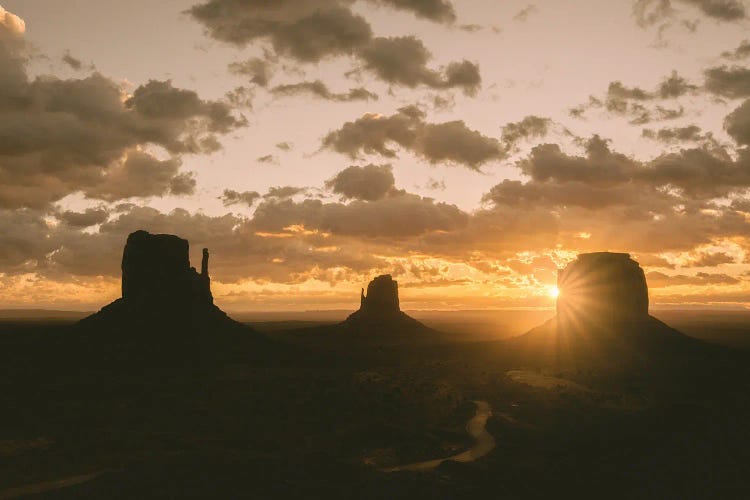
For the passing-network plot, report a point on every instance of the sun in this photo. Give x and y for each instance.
(553, 291)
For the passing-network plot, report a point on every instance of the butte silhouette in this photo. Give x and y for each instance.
(166, 309)
(378, 321)
(602, 317)
(379, 311)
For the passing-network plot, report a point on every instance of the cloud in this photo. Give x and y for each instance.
(451, 142)
(440, 11)
(524, 14)
(403, 61)
(529, 127)
(368, 183)
(313, 30)
(182, 184)
(260, 71)
(741, 52)
(722, 10)
(652, 12)
(600, 166)
(284, 192)
(569, 193)
(141, 175)
(710, 259)
(699, 173)
(284, 146)
(674, 86)
(306, 31)
(399, 216)
(657, 279)
(319, 89)
(269, 159)
(435, 185)
(737, 124)
(689, 133)
(59, 137)
(732, 82)
(71, 61)
(232, 197)
(87, 218)
(633, 101)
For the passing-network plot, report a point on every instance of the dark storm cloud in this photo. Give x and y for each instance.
(368, 183)
(87, 218)
(232, 197)
(451, 142)
(59, 137)
(312, 30)
(319, 89)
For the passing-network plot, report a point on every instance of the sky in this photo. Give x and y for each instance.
(470, 149)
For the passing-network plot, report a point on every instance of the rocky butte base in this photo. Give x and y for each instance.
(166, 305)
(379, 311)
(602, 317)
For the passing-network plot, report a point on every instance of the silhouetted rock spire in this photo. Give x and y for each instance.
(204, 263)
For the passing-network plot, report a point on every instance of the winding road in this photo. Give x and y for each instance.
(476, 427)
(483, 443)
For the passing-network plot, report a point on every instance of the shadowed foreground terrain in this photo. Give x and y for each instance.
(622, 408)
